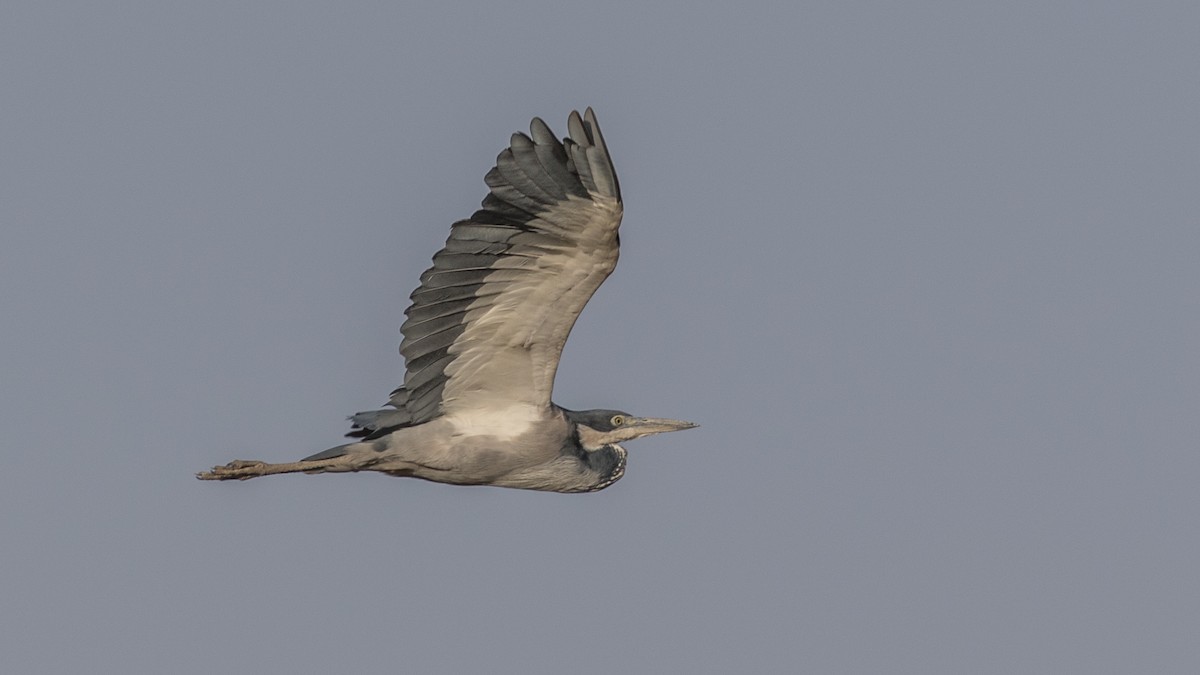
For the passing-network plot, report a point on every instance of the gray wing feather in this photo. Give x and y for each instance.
(488, 322)
(491, 315)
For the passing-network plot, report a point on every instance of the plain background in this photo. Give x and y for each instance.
(925, 273)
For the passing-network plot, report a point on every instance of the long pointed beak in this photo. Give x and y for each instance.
(658, 425)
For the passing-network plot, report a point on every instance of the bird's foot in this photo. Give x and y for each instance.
(238, 469)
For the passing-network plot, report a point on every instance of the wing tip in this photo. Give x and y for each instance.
(585, 131)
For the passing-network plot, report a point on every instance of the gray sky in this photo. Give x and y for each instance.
(926, 274)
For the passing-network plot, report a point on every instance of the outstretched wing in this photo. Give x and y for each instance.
(487, 325)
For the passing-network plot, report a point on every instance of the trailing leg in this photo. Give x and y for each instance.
(242, 469)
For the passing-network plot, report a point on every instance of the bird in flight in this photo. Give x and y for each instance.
(485, 331)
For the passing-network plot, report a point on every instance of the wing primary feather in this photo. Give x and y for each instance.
(541, 133)
(583, 167)
(602, 175)
(602, 164)
(525, 154)
(576, 130)
(557, 166)
(516, 173)
(504, 192)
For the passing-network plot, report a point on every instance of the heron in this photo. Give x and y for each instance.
(485, 331)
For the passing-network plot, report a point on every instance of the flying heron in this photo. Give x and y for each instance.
(485, 331)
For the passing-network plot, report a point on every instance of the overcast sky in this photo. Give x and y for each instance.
(927, 274)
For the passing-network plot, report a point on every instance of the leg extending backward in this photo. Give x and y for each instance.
(242, 469)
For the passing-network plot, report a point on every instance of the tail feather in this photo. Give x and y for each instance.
(331, 453)
(371, 424)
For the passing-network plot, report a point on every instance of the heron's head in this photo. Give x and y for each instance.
(598, 428)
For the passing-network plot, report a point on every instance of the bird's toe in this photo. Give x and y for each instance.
(237, 469)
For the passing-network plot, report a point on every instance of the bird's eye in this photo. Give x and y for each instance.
(617, 420)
